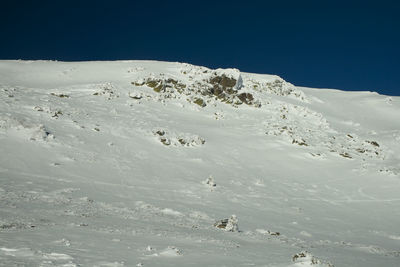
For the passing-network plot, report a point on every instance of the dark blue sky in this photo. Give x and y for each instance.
(350, 45)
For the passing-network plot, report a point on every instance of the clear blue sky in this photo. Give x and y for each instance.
(350, 45)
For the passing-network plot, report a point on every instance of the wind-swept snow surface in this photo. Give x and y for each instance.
(140, 163)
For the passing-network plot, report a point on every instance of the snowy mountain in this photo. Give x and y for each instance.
(144, 163)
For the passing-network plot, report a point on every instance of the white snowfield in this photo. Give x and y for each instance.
(145, 163)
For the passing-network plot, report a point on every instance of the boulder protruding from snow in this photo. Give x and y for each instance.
(305, 258)
(225, 81)
(229, 225)
(210, 182)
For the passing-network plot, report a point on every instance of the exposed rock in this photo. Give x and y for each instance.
(60, 95)
(360, 150)
(210, 182)
(274, 233)
(300, 142)
(136, 96)
(165, 141)
(162, 85)
(374, 143)
(200, 102)
(305, 258)
(181, 139)
(229, 225)
(345, 155)
(107, 90)
(57, 113)
(246, 98)
(160, 132)
(222, 84)
(157, 85)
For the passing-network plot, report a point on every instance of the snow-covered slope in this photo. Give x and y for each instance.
(139, 163)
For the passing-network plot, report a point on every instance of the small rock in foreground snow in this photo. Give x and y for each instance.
(305, 258)
(229, 225)
(210, 182)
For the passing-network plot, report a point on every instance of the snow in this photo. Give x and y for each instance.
(119, 164)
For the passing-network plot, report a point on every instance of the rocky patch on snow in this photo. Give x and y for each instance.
(106, 90)
(305, 258)
(178, 139)
(306, 128)
(229, 225)
(213, 85)
(210, 182)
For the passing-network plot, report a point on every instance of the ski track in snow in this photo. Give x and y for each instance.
(105, 163)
